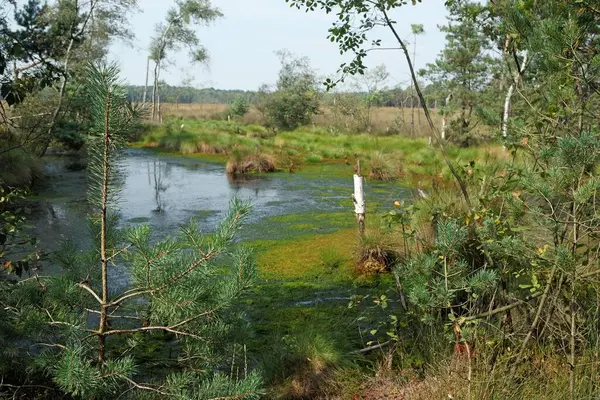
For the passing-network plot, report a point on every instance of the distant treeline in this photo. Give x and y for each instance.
(396, 97)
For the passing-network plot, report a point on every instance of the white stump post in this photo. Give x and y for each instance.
(359, 202)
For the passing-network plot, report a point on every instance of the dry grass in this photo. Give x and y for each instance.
(384, 120)
(207, 111)
(545, 378)
(253, 163)
(376, 253)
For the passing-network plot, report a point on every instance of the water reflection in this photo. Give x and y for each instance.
(155, 179)
(165, 192)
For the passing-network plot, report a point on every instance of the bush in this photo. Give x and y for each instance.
(71, 134)
(239, 108)
(297, 97)
(313, 158)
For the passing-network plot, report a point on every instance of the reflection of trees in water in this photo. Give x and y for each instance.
(239, 181)
(155, 179)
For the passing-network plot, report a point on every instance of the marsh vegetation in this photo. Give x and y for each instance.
(154, 248)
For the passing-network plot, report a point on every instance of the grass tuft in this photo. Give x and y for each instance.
(375, 254)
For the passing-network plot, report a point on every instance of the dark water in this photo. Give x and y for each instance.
(165, 192)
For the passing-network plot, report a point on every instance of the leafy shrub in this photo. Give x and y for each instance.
(297, 97)
(239, 108)
(71, 134)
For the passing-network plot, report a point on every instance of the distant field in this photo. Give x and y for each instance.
(383, 119)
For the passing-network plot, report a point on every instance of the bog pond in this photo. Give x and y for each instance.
(302, 226)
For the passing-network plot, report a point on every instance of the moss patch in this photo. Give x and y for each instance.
(302, 258)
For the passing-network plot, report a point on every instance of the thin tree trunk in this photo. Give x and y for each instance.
(444, 121)
(158, 108)
(413, 108)
(459, 180)
(162, 45)
(103, 258)
(572, 344)
(412, 112)
(155, 89)
(63, 86)
(61, 96)
(573, 305)
(517, 76)
(536, 319)
(146, 85)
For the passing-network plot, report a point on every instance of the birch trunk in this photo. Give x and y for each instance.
(359, 202)
(511, 91)
(146, 85)
(444, 122)
(63, 86)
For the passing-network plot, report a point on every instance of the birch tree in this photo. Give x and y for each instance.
(417, 29)
(89, 28)
(177, 32)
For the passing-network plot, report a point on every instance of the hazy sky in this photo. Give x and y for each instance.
(243, 42)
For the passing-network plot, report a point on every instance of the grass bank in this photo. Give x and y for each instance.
(382, 157)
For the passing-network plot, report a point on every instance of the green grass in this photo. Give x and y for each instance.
(298, 309)
(305, 147)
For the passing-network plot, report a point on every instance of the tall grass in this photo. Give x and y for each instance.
(385, 157)
(384, 120)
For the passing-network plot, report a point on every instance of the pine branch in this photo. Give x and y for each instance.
(171, 328)
(149, 329)
(235, 397)
(91, 291)
(136, 385)
(173, 280)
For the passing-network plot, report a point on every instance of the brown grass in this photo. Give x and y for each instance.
(376, 254)
(254, 163)
(384, 120)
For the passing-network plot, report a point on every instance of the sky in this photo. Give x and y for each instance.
(242, 44)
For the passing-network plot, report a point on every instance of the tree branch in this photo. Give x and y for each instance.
(91, 291)
(441, 144)
(499, 310)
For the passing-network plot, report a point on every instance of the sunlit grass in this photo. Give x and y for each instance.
(392, 156)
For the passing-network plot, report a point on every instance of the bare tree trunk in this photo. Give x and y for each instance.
(453, 171)
(146, 85)
(444, 121)
(155, 89)
(359, 200)
(517, 76)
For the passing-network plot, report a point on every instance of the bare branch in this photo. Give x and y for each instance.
(91, 291)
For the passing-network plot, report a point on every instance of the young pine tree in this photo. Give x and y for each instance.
(463, 68)
(173, 322)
